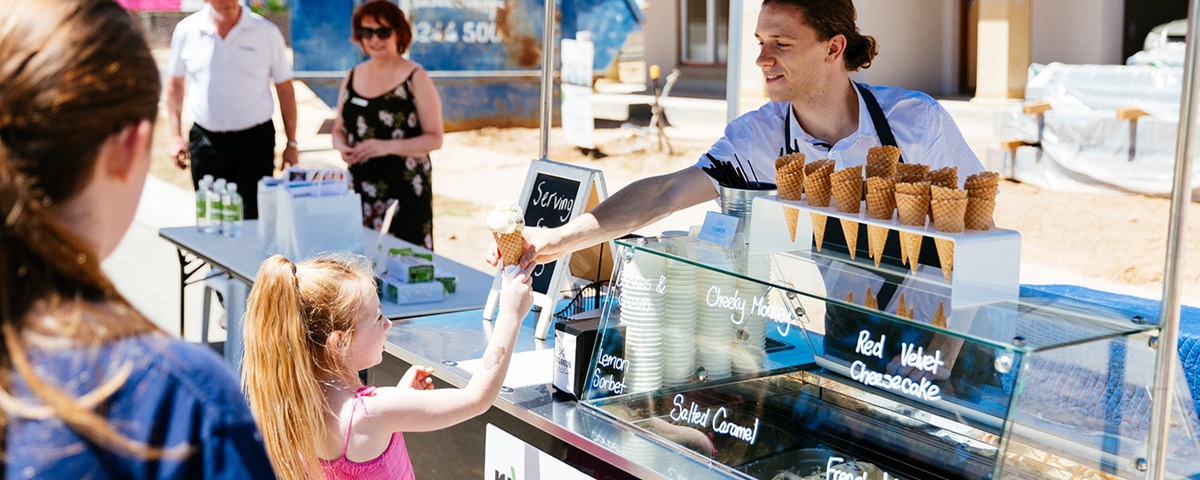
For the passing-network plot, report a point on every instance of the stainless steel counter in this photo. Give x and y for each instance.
(452, 343)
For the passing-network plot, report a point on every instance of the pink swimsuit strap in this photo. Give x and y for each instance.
(363, 391)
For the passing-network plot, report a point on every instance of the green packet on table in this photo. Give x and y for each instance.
(410, 269)
(409, 252)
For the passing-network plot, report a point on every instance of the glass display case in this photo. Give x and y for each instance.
(770, 359)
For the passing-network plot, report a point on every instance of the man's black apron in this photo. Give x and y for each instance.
(842, 325)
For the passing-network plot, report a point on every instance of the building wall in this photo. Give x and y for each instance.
(1077, 31)
(918, 43)
(661, 31)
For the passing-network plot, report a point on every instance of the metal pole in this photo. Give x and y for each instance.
(733, 69)
(547, 78)
(1185, 150)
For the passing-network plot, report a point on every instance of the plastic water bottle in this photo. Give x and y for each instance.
(231, 225)
(216, 211)
(202, 191)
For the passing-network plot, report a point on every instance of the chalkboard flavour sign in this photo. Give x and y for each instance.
(554, 194)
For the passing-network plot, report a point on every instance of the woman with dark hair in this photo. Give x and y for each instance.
(390, 118)
(88, 386)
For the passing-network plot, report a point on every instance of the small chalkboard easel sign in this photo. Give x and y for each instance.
(554, 194)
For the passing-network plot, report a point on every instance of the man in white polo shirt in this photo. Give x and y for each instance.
(228, 57)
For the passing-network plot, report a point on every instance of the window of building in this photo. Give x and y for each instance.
(705, 31)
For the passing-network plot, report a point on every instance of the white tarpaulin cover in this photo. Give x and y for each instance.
(1084, 146)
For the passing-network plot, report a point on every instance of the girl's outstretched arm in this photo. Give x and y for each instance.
(411, 410)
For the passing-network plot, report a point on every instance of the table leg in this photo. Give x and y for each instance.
(188, 266)
(235, 307)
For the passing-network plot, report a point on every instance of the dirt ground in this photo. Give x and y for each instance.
(1114, 237)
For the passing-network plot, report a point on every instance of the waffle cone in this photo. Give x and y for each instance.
(850, 230)
(939, 318)
(511, 246)
(983, 180)
(914, 250)
(912, 208)
(876, 239)
(881, 161)
(792, 216)
(790, 185)
(818, 223)
(905, 237)
(945, 249)
(944, 177)
(986, 193)
(790, 163)
(920, 188)
(902, 309)
(870, 301)
(949, 208)
(911, 172)
(847, 187)
(979, 213)
(881, 204)
(816, 183)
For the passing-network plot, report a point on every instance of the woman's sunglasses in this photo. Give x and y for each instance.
(383, 33)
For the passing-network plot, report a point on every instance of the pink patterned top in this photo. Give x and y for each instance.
(393, 463)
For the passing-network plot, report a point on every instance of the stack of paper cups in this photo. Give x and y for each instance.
(750, 338)
(642, 286)
(714, 324)
(679, 323)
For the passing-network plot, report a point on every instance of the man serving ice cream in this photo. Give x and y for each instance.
(808, 50)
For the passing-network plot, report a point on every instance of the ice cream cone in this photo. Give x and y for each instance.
(939, 318)
(818, 224)
(511, 246)
(847, 186)
(944, 177)
(790, 163)
(790, 181)
(876, 240)
(911, 172)
(945, 249)
(881, 161)
(506, 221)
(816, 182)
(979, 213)
(914, 250)
(850, 231)
(901, 308)
(982, 180)
(949, 206)
(850, 297)
(870, 301)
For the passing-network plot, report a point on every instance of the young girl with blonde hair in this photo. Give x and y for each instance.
(310, 328)
(89, 387)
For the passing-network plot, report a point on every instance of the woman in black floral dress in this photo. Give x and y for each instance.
(390, 119)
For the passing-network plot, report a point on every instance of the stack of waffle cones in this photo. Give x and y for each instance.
(912, 202)
(981, 200)
(882, 161)
(818, 190)
(949, 206)
(944, 177)
(881, 202)
(789, 178)
(847, 185)
(911, 172)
